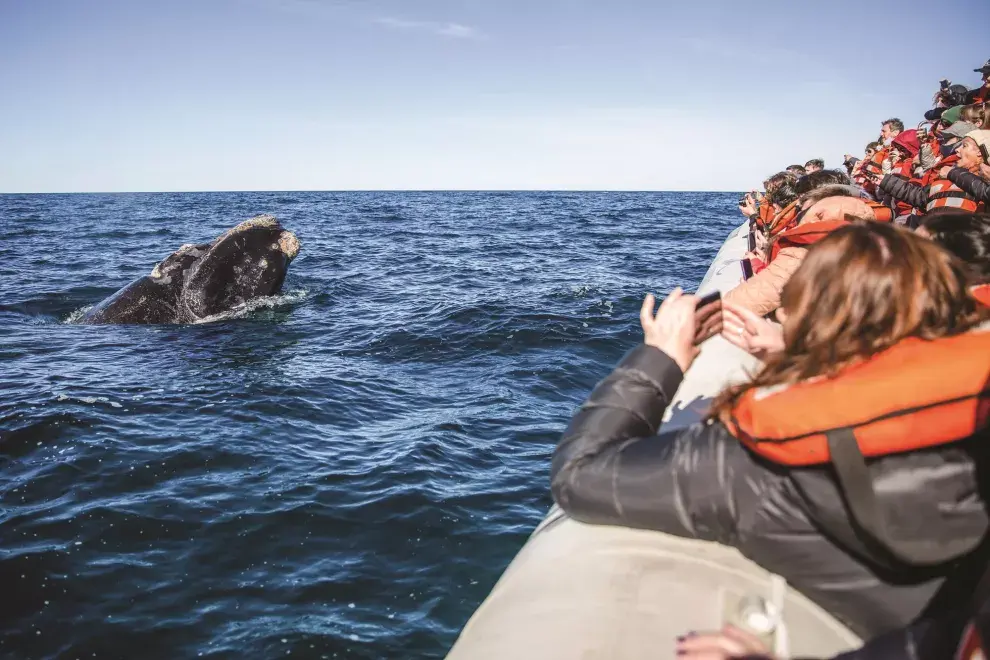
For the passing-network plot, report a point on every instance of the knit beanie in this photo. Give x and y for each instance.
(951, 115)
(982, 139)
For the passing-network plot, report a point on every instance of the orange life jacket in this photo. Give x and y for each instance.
(804, 235)
(982, 293)
(932, 175)
(765, 213)
(916, 394)
(881, 212)
(903, 170)
(875, 165)
(783, 220)
(942, 194)
(857, 172)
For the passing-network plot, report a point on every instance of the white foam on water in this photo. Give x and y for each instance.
(60, 396)
(266, 302)
(78, 314)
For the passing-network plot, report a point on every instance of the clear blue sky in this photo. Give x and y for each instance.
(119, 95)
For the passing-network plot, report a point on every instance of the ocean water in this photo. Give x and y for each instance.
(342, 472)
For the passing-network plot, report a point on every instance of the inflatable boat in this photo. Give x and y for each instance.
(592, 592)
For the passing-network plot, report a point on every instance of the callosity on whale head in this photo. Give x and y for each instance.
(200, 281)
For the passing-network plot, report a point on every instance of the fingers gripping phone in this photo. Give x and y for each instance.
(707, 317)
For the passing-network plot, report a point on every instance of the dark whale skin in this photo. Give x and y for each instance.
(151, 299)
(200, 281)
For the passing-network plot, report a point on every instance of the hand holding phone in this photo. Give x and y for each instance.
(707, 317)
(671, 328)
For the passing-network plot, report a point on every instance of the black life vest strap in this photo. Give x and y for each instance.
(948, 193)
(861, 502)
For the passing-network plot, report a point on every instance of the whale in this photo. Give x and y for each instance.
(198, 282)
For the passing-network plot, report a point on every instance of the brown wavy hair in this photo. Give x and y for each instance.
(857, 292)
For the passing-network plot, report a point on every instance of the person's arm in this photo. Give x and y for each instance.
(927, 156)
(761, 293)
(905, 191)
(610, 467)
(971, 184)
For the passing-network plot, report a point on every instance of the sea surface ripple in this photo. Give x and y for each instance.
(343, 472)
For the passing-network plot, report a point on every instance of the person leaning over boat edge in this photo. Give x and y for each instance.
(716, 481)
(825, 208)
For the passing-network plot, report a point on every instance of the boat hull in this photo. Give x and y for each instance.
(595, 592)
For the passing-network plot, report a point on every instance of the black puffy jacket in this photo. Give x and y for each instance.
(612, 468)
(946, 633)
(973, 185)
(905, 191)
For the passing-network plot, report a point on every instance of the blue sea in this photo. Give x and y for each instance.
(345, 470)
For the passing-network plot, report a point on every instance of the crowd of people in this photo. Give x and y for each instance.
(855, 463)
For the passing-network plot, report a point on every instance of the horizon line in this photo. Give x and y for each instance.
(371, 190)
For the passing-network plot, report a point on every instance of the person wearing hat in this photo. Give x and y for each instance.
(950, 137)
(946, 98)
(950, 116)
(972, 172)
(981, 95)
(974, 150)
(935, 190)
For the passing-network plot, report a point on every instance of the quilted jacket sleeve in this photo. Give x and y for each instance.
(971, 184)
(611, 468)
(905, 191)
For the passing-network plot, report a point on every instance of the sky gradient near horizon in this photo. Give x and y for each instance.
(116, 95)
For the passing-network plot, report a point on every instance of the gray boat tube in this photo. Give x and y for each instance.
(590, 592)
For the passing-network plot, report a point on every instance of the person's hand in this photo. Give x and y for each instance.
(985, 171)
(727, 644)
(749, 207)
(672, 328)
(755, 335)
(944, 172)
(753, 254)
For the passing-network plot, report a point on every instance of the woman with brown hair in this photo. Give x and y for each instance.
(848, 465)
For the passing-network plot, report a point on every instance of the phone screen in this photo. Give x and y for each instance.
(707, 317)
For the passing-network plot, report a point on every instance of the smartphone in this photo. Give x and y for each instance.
(707, 317)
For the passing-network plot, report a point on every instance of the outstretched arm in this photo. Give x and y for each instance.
(970, 183)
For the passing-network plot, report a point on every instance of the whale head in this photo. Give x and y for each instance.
(201, 281)
(247, 262)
